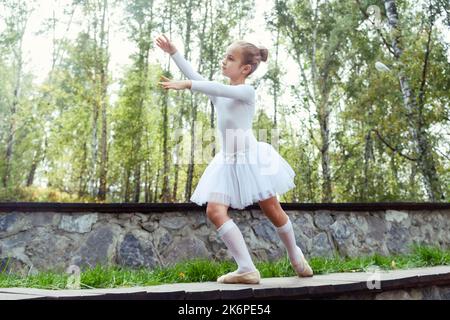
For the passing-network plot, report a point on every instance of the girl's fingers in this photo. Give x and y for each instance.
(165, 78)
(164, 84)
(161, 44)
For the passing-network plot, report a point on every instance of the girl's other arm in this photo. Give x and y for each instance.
(244, 93)
(188, 71)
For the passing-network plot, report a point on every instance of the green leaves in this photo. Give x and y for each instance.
(328, 111)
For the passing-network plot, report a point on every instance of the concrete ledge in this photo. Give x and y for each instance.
(336, 285)
(169, 207)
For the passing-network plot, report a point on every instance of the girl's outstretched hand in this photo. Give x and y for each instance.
(173, 84)
(165, 44)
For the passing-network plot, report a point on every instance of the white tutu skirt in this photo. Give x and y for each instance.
(242, 178)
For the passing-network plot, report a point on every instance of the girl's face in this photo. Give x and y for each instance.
(231, 64)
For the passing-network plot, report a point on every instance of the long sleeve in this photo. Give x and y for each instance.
(241, 92)
(186, 67)
(188, 71)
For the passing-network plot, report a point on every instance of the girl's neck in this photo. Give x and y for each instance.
(236, 82)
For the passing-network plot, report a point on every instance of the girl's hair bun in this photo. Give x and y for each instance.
(264, 53)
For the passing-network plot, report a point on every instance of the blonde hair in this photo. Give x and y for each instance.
(251, 54)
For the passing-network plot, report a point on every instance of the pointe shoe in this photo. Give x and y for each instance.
(303, 269)
(252, 277)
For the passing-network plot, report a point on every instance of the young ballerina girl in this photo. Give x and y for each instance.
(237, 176)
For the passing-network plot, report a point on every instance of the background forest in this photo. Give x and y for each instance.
(357, 92)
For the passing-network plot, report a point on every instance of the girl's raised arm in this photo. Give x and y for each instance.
(167, 46)
(186, 67)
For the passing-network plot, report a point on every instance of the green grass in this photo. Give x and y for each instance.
(199, 270)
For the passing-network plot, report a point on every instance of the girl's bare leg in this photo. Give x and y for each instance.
(231, 236)
(217, 213)
(272, 209)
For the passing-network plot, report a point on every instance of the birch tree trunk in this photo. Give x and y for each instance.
(191, 167)
(321, 91)
(317, 79)
(104, 61)
(421, 143)
(165, 190)
(276, 80)
(81, 177)
(143, 43)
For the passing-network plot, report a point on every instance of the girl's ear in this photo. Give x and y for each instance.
(247, 68)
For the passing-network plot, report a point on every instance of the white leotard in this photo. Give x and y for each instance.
(235, 106)
(240, 180)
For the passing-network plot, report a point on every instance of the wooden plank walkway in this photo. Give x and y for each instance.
(319, 286)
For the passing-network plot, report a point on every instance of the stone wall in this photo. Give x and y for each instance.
(38, 241)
